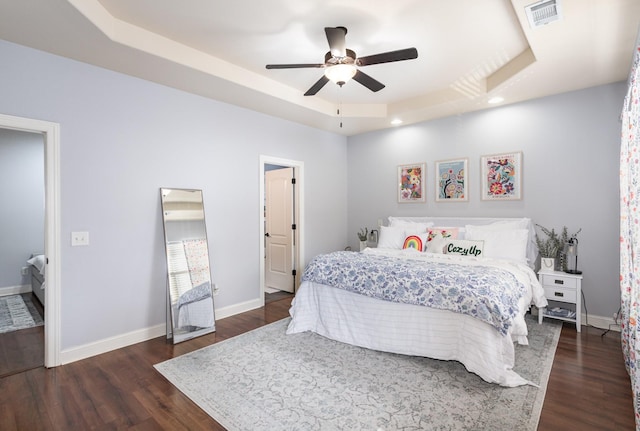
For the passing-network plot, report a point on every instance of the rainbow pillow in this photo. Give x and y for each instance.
(413, 241)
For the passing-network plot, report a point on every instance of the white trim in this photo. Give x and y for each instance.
(601, 322)
(232, 310)
(15, 290)
(300, 223)
(51, 133)
(111, 343)
(124, 340)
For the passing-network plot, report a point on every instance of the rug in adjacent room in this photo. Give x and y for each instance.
(17, 313)
(266, 380)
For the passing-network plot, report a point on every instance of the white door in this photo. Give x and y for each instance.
(279, 229)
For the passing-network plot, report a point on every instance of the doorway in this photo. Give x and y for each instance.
(50, 133)
(281, 226)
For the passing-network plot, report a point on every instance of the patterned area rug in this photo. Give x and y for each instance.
(17, 313)
(266, 380)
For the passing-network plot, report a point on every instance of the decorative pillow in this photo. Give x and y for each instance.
(501, 244)
(436, 245)
(464, 247)
(415, 241)
(443, 232)
(391, 237)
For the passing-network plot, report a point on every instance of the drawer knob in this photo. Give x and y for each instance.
(558, 281)
(558, 293)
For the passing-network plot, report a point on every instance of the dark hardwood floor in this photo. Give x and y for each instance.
(589, 388)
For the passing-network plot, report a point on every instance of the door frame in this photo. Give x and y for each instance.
(51, 134)
(298, 206)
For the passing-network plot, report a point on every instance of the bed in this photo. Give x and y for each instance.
(378, 298)
(36, 264)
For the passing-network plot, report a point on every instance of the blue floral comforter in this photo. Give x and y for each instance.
(484, 292)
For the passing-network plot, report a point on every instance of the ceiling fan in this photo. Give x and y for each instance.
(341, 64)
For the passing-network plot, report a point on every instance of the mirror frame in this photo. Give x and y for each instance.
(195, 213)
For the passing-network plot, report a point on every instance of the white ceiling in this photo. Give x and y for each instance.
(469, 50)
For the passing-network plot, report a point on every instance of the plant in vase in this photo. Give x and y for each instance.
(362, 236)
(548, 248)
(551, 248)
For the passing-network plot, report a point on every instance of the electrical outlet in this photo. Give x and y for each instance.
(79, 238)
(24, 270)
(615, 317)
(216, 289)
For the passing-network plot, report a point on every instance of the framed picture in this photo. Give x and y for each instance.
(451, 181)
(502, 176)
(411, 183)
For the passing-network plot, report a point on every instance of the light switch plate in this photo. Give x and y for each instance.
(79, 238)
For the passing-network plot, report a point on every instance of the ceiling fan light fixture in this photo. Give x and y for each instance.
(340, 73)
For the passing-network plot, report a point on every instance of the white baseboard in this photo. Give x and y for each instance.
(124, 340)
(601, 322)
(15, 290)
(111, 343)
(232, 310)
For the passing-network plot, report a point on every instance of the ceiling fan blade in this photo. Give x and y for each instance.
(387, 57)
(317, 86)
(368, 81)
(335, 37)
(292, 66)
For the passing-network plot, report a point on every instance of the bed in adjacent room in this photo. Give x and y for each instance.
(444, 288)
(36, 264)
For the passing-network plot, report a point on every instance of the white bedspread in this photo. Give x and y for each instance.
(417, 330)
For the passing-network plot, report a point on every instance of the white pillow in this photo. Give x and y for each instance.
(508, 244)
(509, 224)
(411, 226)
(391, 237)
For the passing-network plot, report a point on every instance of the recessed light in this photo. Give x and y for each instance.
(495, 100)
(396, 121)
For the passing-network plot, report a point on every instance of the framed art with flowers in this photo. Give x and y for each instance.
(451, 181)
(502, 176)
(411, 180)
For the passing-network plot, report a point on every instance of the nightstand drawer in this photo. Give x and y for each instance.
(560, 294)
(551, 280)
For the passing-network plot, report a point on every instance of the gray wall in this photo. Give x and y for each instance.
(122, 139)
(22, 208)
(570, 146)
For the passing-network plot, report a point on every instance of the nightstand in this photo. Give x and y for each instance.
(562, 287)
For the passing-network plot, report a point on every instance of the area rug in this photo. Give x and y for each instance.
(266, 380)
(17, 313)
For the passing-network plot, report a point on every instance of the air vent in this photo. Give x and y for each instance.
(544, 12)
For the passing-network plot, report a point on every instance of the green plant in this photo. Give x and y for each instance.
(553, 245)
(550, 246)
(363, 234)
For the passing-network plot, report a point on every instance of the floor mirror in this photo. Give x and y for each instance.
(189, 292)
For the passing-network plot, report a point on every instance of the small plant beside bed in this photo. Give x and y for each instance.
(552, 247)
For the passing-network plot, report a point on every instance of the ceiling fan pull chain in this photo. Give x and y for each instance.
(339, 105)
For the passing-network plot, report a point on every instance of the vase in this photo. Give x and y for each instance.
(547, 264)
(363, 245)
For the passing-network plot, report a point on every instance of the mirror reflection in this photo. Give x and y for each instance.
(190, 296)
